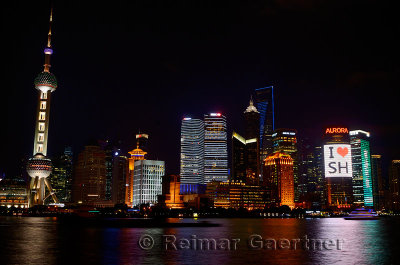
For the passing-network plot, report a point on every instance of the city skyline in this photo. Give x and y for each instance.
(109, 101)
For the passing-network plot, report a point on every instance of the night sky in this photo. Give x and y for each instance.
(125, 66)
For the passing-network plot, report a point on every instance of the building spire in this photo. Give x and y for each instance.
(48, 50)
(50, 24)
(251, 107)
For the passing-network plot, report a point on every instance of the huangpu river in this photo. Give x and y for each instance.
(46, 240)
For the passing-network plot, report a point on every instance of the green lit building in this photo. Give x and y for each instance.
(362, 172)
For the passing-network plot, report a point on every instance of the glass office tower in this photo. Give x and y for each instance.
(192, 151)
(362, 173)
(215, 148)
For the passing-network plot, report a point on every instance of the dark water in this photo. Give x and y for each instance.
(37, 240)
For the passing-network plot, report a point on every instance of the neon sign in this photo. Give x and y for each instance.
(336, 130)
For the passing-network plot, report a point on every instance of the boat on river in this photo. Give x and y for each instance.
(362, 214)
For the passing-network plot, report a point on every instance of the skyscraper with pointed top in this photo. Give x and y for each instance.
(39, 166)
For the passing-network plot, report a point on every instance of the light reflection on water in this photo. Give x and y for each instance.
(37, 240)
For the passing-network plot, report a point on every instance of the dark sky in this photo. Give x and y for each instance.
(129, 65)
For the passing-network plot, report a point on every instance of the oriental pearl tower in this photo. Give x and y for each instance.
(39, 167)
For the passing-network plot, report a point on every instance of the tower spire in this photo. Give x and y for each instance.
(48, 50)
(50, 24)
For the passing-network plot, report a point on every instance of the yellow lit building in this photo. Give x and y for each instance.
(278, 178)
(136, 154)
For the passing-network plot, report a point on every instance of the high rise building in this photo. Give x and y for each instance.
(338, 167)
(378, 182)
(265, 105)
(109, 151)
(192, 152)
(147, 181)
(89, 181)
(278, 179)
(252, 123)
(285, 141)
(394, 185)
(119, 176)
(245, 150)
(61, 177)
(39, 167)
(215, 148)
(136, 154)
(239, 162)
(362, 175)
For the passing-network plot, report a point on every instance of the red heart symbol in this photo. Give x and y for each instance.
(342, 151)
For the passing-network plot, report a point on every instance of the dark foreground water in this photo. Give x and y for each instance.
(39, 240)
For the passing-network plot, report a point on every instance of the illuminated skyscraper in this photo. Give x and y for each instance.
(245, 150)
(252, 121)
(265, 105)
(215, 148)
(362, 175)
(278, 179)
(119, 176)
(147, 181)
(338, 167)
(61, 177)
(238, 149)
(285, 141)
(89, 181)
(39, 166)
(192, 152)
(136, 154)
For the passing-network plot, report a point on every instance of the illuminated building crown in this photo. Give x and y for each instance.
(251, 107)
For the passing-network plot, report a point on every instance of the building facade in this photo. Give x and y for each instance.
(89, 182)
(236, 195)
(338, 169)
(265, 105)
(61, 177)
(147, 181)
(378, 182)
(285, 141)
(119, 177)
(278, 179)
(192, 151)
(215, 148)
(135, 155)
(171, 196)
(362, 171)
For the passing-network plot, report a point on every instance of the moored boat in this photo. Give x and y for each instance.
(362, 214)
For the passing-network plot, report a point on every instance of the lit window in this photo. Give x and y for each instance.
(40, 148)
(41, 126)
(43, 95)
(41, 137)
(42, 116)
(42, 104)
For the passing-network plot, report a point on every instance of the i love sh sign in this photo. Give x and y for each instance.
(337, 160)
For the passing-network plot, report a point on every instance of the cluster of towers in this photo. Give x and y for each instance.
(341, 171)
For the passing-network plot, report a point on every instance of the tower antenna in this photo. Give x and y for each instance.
(48, 51)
